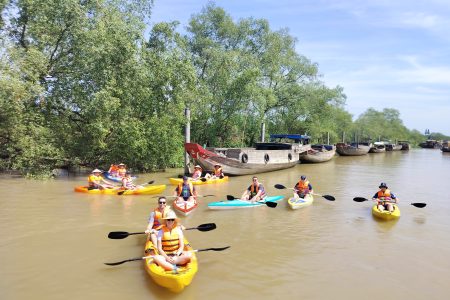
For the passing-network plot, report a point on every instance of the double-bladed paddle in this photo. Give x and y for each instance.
(202, 179)
(178, 196)
(118, 235)
(282, 187)
(123, 191)
(145, 257)
(417, 204)
(268, 203)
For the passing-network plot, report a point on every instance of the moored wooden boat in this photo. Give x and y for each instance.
(430, 144)
(378, 147)
(352, 149)
(242, 161)
(175, 282)
(393, 147)
(319, 153)
(445, 147)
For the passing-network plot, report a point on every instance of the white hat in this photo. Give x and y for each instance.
(170, 215)
(197, 166)
(96, 171)
(121, 164)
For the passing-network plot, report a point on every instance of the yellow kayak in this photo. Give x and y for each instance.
(175, 282)
(385, 214)
(296, 203)
(146, 190)
(177, 181)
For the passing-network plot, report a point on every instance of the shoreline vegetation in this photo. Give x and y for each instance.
(91, 83)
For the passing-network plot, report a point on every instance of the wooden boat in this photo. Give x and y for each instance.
(378, 147)
(393, 147)
(445, 147)
(352, 149)
(405, 145)
(185, 207)
(296, 203)
(177, 181)
(175, 282)
(319, 153)
(430, 144)
(147, 190)
(243, 161)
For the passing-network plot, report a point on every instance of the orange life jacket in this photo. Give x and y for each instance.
(170, 240)
(218, 172)
(121, 172)
(157, 218)
(113, 169)
(180, 189)
(386, 194)
(303, 185)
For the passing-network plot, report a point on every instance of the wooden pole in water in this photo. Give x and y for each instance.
(187, 138)
(263, 131)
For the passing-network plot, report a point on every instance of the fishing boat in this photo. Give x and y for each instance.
(385, 214)
(185, 207)
(378, 147)
(146, 190)
(175, 282)
(393, 147)
(430, 144)
(352, 149)
(405, 145)
(296, 203)
(177, 181)
(319, 153)
(237, 203)
(445, 146)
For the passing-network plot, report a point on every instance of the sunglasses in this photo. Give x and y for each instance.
(162, 202)
(170, 220)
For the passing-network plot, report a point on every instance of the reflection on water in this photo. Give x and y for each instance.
(326, 249)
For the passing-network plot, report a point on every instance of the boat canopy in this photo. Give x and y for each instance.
(298, 138)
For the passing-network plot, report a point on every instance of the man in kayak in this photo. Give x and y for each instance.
(255, 192)
(155, 220)
(302, 188)
(185, 191)
(96, 181)
(385, 198)
(170, 244)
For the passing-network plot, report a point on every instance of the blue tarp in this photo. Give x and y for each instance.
(296, 137)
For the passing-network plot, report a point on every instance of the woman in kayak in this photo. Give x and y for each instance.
(127, 182)
(197, 173)
(385, 198)
(170, 243)
(255, 192)
(302, 188)
(185, 191)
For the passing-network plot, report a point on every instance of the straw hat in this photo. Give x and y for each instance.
(197, 167)
(121, 164)
(97, 171)
(170, 215)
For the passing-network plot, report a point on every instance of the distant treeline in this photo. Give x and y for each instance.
(90, 82)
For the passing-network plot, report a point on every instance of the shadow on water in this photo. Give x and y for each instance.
(385, 225)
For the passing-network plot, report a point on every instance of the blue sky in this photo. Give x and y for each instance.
(385, 54)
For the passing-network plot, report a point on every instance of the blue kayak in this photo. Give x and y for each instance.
(115, 178)
(232, 204)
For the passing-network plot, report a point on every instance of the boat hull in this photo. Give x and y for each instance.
(348, 150)
(175, 282)
(386, 215)
(314, 156)
(148, 190)
(185, 207)
(296, 203)
(235, 204)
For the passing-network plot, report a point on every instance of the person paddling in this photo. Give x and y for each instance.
(197, 173)
(122, 170)
(170, 244)
(385, 198)
(255, 192)
(155, 219)
(302, 188)
(185, 191)
(96, 181)
(127, 182)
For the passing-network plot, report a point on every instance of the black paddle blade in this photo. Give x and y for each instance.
(329, 197)
(118, 235)
(279, 186)
(203, 179)
(271, 204)
(213, 249)
(360, 199)
(207, 227)
(231, 197)
(121, 192)
(419, 205)
(123, 261)
(150, 182)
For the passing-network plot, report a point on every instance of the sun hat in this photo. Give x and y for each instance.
(97, 171)
(121, 164)
(216, 165)
(197, 166)
(383, 185)
(170, 215)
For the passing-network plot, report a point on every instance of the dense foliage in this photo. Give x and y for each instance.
(81, 85)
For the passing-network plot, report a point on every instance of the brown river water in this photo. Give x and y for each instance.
(54, 241)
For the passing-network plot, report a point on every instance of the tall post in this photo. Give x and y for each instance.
(187, 138)
(328, 138)
(263, 131)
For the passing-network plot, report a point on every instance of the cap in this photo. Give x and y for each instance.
(185, 177)
(303, 177)
(383, 185)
